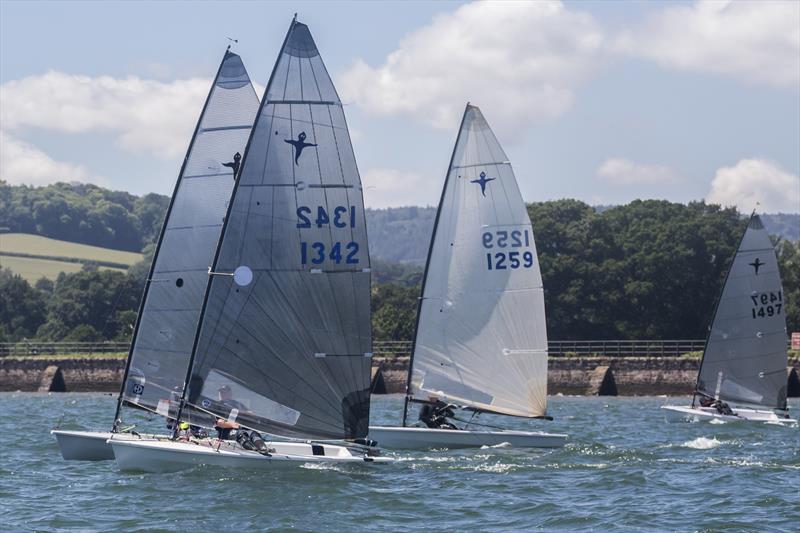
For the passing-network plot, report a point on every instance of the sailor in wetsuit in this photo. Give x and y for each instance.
(225, 428)
(721, 407)
(435, 414)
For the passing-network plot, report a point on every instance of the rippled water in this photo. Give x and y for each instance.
(624, 468)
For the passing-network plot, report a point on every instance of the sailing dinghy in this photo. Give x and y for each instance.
(285, 326)
(481, 337)
(175, 286)
(742, 374)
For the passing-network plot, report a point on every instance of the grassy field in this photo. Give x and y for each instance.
(45, 257)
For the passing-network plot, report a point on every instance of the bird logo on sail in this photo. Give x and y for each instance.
(237, 159)
(482, 182)
(757, 264)
(299, 144)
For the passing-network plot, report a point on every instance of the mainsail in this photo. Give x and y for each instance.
(745, 357)
(284, 345)
(175, 287)
(481, 336)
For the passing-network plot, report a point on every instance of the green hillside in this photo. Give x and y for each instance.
(34, 256)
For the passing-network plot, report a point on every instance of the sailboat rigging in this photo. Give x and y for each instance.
(742, 374)
(174, 288)
(285, 323)
(481, 337)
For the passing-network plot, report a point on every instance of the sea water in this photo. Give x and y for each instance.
(624, 468)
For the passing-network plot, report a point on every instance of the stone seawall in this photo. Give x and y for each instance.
(79, 375)
(567, 375)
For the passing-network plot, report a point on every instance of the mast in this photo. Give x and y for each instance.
(213, 266)
(151, 271)
(427, 265)
(716, 307)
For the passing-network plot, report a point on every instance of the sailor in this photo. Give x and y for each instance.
(226, 397)
(435, 414)
(227, 429)
(723, 408)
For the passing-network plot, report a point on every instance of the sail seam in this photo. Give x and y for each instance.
(224, 128)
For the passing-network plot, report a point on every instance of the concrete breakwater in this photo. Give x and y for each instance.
(567, 375)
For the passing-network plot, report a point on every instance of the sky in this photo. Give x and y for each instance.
(605, 102)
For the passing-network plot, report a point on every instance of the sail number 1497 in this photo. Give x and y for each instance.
(503, 255)
(766, 304)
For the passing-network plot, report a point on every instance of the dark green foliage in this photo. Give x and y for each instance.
(648, 270)
(394, 311)
(91, 305)
(22, 308)
(789, 263)
(83, 213)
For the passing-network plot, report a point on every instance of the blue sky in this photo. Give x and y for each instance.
(601, 101)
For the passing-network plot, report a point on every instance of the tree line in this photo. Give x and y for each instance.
(647, 270)
(83, 213)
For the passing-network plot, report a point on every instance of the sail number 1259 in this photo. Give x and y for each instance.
(507, 257)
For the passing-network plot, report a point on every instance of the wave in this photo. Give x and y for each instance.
(702, 443)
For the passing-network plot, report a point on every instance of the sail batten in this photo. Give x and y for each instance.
(481, 338)
(745, 356)
(287, 344)
(175, 286)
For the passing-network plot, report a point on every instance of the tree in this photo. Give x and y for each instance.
(394, 311)
(92, 298)
(789, 264)
(22, 308)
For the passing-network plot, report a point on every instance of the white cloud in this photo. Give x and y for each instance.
(621, 171)
(385, 187)
(756, 180)
(753, 41)
(22, 163)
(521, 61)
(146, 116)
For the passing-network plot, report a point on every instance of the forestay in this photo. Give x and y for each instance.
(174, 291)
(285, 343)
(745, 358)
(481, 338)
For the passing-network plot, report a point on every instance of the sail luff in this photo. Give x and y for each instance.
(428, 262)
(230, 77)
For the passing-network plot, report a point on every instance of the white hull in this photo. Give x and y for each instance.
(89, 445)
(677, 413)
(413, 438)
(84, 445)
(169, 456)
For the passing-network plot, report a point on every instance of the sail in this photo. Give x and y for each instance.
(285, 343)
(481, 337)
(745, 357)
(174, 291)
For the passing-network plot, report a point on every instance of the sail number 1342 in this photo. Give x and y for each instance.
(337, 252)
(504, 255)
